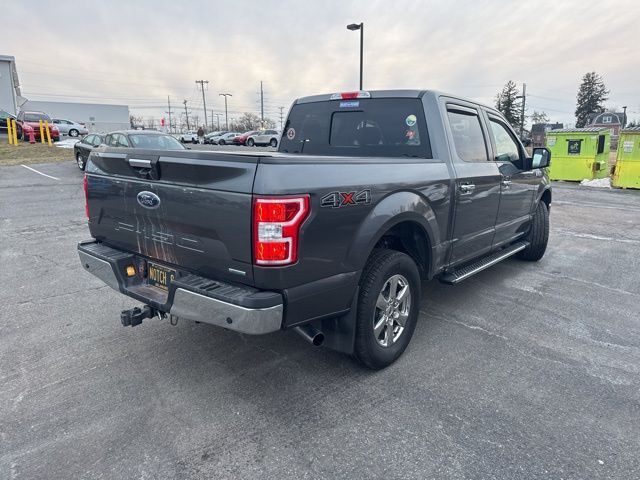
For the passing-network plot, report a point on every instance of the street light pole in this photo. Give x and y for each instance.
(359, 26)
(226, 114)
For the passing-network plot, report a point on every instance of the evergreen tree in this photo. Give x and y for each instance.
(591, 97)
(508, 103)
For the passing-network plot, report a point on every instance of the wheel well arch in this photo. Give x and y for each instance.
(409, 237)
(546, 198)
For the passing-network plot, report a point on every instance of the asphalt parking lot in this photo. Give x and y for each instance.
(523, 371)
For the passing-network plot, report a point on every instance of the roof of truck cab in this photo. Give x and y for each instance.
(402, 93)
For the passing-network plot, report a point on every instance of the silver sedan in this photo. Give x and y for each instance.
(69, 127)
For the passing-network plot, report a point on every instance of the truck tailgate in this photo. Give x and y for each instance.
(190, 210)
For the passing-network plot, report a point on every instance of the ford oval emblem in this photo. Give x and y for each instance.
(148, 199)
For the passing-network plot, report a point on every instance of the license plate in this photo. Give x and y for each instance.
(159, 275)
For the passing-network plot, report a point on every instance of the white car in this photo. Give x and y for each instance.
(224, 139)
(189, 137)
(69, 127)
(264, 137)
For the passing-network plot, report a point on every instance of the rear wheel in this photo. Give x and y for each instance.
(250, 142)
(538, 236)
(388, 307)
(273, 142)
(73, 132)
(80, 161)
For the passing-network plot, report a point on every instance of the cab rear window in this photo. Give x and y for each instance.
(385, 127)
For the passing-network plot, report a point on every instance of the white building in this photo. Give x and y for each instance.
(97, 117)
(9, 85)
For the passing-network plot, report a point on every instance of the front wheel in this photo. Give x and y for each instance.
(273, 142)
(538, 236)
(80, 161)
(388, 306)
(221, 142)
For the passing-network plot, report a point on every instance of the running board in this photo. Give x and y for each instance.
(457, 276)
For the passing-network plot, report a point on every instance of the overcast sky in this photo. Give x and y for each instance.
(137, 53)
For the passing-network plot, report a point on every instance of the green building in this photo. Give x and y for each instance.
(579, 153)
(627, 169)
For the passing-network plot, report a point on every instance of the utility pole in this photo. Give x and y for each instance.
(261, 106)
(281, 114)
(169, 112)
(204, 102)
(524, 100)
(226, 112)
(353, 27)
(186, 113)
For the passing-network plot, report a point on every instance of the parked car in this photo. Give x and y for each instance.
(4, 118)
(189, 137)
(264, 137)
(370, 196)
(69, 127)
(84, 146)
(209, 136)
(223, 139)
(242, 139)
(32, 120)
(147, 139)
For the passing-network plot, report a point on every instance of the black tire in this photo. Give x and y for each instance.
(250, 142)
(194, 141)
(221, 142)
(273, 142)
(381, 267)
(73, 132)
(538, 236)
(80, 162)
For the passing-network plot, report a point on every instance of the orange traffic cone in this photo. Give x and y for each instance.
(32, 137)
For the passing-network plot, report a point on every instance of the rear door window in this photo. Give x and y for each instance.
(468, 138)
(384, 127)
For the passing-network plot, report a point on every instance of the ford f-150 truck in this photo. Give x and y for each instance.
(370, 195)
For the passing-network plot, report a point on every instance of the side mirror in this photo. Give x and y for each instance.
(541, 158)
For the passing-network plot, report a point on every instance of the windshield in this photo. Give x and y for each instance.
(161, 142)
(36, 117)
(385, 127)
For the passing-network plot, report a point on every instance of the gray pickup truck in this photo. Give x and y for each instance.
(369, 195)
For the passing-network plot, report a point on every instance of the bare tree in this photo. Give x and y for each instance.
(135, 120)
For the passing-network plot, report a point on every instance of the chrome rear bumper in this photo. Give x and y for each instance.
(261, 313)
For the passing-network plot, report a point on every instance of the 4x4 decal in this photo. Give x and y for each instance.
(342, 199)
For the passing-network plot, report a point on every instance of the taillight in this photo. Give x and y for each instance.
(85, 187)
(276, 228)
(350, 95)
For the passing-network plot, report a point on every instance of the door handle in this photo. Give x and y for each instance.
(139, 163)
(466, 188)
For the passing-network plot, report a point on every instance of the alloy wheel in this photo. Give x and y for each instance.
(392, 310)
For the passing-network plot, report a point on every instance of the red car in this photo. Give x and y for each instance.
(242, 139)
(31, 120)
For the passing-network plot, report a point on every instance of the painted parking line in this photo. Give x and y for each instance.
(43, 174)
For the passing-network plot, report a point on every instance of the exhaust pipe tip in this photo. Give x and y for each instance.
(310, 334)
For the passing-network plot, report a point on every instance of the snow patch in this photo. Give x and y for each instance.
(597, 182)
(68, 143)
